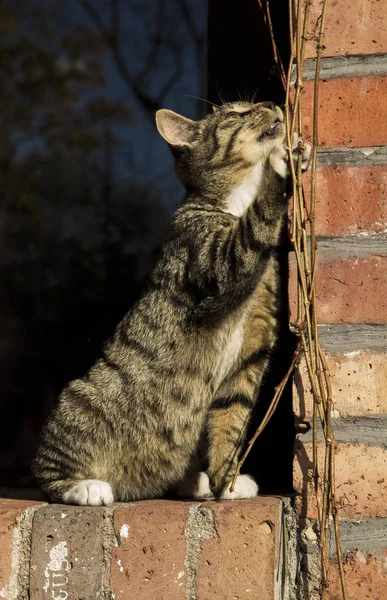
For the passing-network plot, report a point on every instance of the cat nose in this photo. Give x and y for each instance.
(270, 105)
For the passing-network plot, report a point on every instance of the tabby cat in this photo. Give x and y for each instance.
(184, 366)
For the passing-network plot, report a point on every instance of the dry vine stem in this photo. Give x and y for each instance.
(302, 226)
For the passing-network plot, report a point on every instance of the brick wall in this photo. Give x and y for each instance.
(352, 294)
(157, 549)
(205, 551)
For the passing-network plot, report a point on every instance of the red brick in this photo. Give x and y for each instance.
(350, 200)
(361, 480)
(351, 112)
(352, 27)
(365, 576)
(10, 513)
(359, 384)
(349, 290)
(171, 549)
(67, 553)
(150, 558)
(364, 564)
(241, 561)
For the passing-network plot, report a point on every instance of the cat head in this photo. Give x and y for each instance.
(216, 154)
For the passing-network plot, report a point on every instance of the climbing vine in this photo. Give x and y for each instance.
(303, 239)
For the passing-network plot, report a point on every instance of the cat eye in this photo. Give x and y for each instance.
(233, 115)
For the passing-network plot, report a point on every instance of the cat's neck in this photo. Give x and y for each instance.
(239, 200)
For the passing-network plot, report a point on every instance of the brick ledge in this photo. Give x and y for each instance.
(159, 549)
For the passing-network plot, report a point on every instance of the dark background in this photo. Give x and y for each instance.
(87, 184)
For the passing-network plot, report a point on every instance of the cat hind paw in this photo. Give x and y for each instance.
(198, 486)
(245, 487)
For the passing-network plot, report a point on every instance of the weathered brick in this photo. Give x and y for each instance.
(172, 549)
(350, 200)
(359, 384)
(10, 513)
(150, 557)
(241, 561)
(349, 289)
(364, 554)
(352, 27)
(361, 479)
(350, 111)
(365, 576)
(67, 553)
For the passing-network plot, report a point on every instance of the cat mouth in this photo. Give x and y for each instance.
(271, 130)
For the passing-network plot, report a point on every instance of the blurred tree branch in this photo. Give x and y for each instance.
(112, 37)
(158, 42)
(50, 89)
(197, 38)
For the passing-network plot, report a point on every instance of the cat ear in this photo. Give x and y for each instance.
(175, 129)
(214, 108)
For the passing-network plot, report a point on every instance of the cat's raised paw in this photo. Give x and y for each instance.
(278, 161)
(306, 151)
(245, 487)
(91, 492)
(198, 486)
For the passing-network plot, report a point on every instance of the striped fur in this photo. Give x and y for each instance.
(185, 365)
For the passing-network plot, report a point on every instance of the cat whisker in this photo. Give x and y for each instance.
(254, 95)
(202, 100)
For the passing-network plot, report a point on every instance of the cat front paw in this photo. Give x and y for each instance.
(245, 487)
(299, 146)
(279, 159)
(90, 492)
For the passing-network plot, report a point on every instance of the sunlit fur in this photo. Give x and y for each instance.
(223, 149)
(185, 365)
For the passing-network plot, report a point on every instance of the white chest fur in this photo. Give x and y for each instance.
(230, 343)
(240, 199)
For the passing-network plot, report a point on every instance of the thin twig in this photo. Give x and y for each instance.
(303, 221)
(269, 413)
(277, 58)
